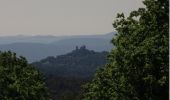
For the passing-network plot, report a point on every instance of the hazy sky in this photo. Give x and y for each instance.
(61, 17)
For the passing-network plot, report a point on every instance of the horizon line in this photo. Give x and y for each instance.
(21, 35)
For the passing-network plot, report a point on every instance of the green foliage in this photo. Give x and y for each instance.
(65, 88)
(78, 63)
(65, 74)
(18, 80)
(138, 68)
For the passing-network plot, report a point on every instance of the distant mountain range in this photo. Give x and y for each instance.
(81, 62)
(35, 48)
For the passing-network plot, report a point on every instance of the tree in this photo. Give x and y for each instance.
(19, 80)
(139, 63)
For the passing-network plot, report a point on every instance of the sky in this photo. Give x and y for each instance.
(61, 17)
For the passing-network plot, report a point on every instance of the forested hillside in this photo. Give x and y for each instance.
(81, 62)
(65, 74)
(137, 67)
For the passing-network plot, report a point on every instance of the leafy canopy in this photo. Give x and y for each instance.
(19, 80)
(138, 68)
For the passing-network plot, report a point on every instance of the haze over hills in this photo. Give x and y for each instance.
(47, 39)
(29, 39)
(38, 47)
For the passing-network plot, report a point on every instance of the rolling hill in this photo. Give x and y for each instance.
(81, 62)
(65, 74)
(39, 47)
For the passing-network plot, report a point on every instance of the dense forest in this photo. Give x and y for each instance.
(81, 62)
(137, 68)
(65, 74)
(66, 88)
